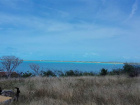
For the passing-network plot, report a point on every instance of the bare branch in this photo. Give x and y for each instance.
(35, 68)
(10, 63)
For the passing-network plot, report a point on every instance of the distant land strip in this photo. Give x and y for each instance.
(84, 62)
(133, 63)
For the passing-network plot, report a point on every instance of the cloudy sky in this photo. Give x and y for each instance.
(75, 30)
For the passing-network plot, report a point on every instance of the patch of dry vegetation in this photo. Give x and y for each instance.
(108, 90)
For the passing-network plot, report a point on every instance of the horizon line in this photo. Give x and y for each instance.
(115, 62)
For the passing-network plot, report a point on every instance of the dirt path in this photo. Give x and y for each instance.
(3, 98)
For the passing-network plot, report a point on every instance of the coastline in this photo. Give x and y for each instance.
(74, 61)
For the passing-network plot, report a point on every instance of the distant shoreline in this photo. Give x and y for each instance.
(81, 62)
(74, 61)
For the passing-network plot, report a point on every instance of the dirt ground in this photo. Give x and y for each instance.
(3, 98)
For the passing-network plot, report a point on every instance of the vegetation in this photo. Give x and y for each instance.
(74, 87)
(116, 72)
(95, 90)
(103, 72)
(35, 68)
(48, 73)
(130, 70)
(9, 64)
(26, 74)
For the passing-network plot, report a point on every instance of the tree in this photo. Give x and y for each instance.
(70, 73)
(88, 74)
(116, 72)
(131, 70)
(103, 72)
(35, 68)
(60, 73)
(48, 73)
(128, 68)
(10, 63)
(26, 74)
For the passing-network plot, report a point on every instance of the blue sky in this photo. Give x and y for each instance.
(75, 30)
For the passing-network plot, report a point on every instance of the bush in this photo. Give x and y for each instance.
(48, 73)
(26, 74)
(127, 68)
(103, 72)
(70, 73)
(77, 73)
(116, 72)
(131, 70)
(60, 73)
(88, 74)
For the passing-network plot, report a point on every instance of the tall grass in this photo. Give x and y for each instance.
(106, 90)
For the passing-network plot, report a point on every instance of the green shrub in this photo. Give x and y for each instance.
(69, 73)
(48, 73)
(26, 74)
(103, 72)
(131, 70)
(116, 72)
(127, 68)
(73, 73)
(88, 74)
(60, 73)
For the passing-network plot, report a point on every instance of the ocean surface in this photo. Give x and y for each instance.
(63, 66)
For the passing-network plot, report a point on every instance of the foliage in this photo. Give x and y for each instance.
(60, 73)
(88, 74)
(127, 68)
(103, 72)
(69, 73)
(48, 73)
(73, 73)
(116, 72)
(131, 70)
(26, 74)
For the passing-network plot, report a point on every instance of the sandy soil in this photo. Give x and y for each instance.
(3, 98)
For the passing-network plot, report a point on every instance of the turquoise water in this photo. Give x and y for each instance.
(95, 67)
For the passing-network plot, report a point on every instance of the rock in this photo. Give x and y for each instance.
(8, 93)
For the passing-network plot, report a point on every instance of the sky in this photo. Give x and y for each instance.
(71, 30)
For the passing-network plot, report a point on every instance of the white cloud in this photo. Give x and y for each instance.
(134, 9)
(91, 54)
(66, 30)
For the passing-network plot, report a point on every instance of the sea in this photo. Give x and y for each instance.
(64, 66)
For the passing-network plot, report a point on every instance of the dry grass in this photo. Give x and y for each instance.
(109, 90)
